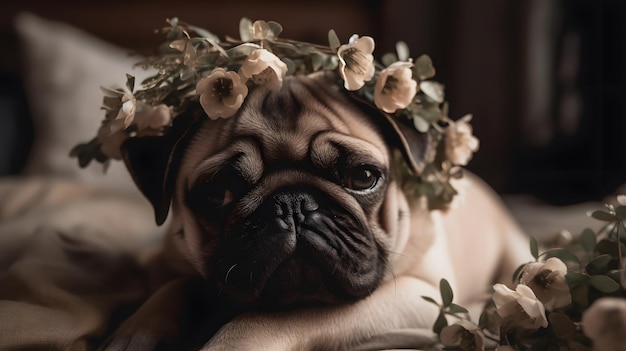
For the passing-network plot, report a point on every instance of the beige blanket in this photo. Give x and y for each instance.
(70, 257)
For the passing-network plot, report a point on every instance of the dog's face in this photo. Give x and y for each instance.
(291, 200)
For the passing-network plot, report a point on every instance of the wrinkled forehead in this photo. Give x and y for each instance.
(285, 121)
(303, 122)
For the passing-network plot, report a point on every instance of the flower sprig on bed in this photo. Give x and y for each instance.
(570, 298)
(195, 65)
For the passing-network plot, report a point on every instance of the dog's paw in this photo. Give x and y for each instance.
(267, 332)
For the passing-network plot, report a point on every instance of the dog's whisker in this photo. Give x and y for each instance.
(228, 273)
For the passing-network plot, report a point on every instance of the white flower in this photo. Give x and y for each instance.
(521, 306)
(150, 117)
(395, 88)
(547, 280)
(604, 322)
(221, 93)
(111, 141)
(356, 63)
(460, 143)
(127, 106)
(465, 335)
(264, 68)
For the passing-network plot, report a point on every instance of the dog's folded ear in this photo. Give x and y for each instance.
(416, 147)
(153, 161)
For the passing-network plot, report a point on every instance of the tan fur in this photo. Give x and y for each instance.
(469, 245)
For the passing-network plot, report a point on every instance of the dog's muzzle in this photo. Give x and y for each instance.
(298, 246)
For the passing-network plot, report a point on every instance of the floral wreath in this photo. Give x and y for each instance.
(217, 74)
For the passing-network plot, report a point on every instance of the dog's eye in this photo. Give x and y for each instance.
(219, 191)
(218, 197)
(362, 178)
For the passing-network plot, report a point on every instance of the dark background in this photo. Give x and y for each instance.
(544, 79)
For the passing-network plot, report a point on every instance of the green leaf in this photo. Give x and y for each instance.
(604, 283)
(606, 246)
(333, 40)
(599, 265)
(421, 124)
(534, 248)
(430, 299)
(275, 28)
(388, 59)
(588, 240)
(454, 308)
(603, 216)
(245, 29)
(574, 279)
(516, 275)
(205, 33)
(446, 292)
(403, 51)
(440, 323)
(424, 67)
(562, 254)
(317, 61)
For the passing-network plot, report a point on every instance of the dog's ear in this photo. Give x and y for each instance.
(416, 147)
(153, 161)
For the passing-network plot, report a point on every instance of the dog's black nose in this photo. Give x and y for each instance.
(294, 207)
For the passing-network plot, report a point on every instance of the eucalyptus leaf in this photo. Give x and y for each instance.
(244, 49)
(446, 292)
(424, 67)
(333, 40)
(403, 51)
(603, 216)
(604, 283)
(599, 265)
(205, 33)
(562, 254)
(317, 61)
(606, 246)
(454, 308)
(430, 113)
(534, 248)
(518, 272)
(421, 124)
(440, 323)
(574, 279)
(588, 240)
(430, 299)
(388, 59)
(245, 29)
(275, 28)
(187, 73)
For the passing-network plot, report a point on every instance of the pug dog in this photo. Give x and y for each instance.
(291, 229)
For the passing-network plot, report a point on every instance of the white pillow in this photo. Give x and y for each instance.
(64, 69)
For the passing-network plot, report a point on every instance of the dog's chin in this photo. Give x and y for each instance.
(329, 257)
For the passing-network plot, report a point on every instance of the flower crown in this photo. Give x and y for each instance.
(217, 74)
